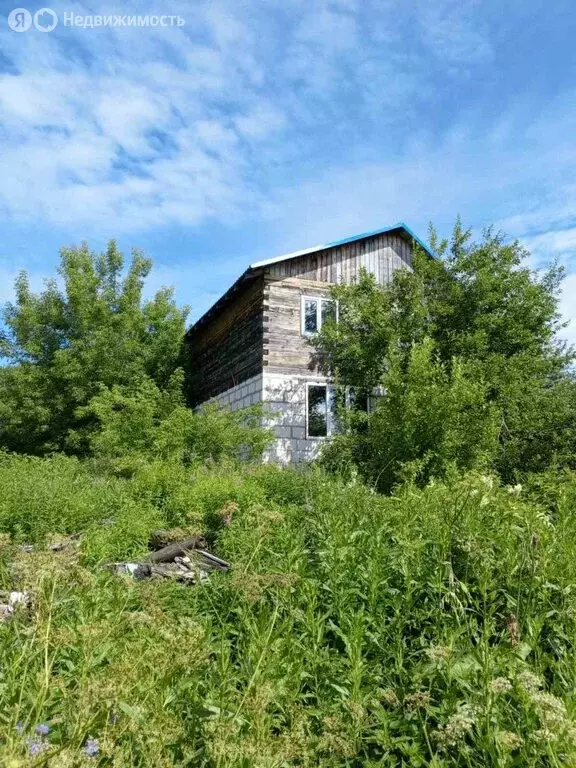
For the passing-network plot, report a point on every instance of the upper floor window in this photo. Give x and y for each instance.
(315, 312)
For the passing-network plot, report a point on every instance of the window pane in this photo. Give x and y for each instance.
(332, 401)
(328, 310)
(310, 318)
(317, 414)
(358, 399)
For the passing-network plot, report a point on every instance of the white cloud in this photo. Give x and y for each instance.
(240, 91)
(311, 117)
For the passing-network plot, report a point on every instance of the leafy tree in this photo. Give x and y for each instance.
(466, 341)
(88, 329)
(141, 423)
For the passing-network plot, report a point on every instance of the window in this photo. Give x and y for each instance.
(323, 401)
(315, 312)
(320, 410)
(357, 399)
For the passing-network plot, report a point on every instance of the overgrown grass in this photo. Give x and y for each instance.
(432, 627)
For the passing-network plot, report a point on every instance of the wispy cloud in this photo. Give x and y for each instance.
(309, 121)
(241, 91)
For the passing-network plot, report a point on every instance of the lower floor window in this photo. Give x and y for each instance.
(320, 405)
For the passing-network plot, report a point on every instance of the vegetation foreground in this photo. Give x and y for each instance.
(434, 626)
(411, 601)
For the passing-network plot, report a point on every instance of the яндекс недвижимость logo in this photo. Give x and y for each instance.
(21, 20)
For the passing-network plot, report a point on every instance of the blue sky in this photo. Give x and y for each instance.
(261, 127)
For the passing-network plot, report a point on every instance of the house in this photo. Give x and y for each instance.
(253, 345)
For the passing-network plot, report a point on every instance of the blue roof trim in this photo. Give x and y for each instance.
(383, 231)
(251, 270)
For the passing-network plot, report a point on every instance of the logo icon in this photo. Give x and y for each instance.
(45, 20)
(20, 20)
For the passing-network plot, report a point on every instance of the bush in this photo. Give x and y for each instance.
(143, 423)
(53, 495)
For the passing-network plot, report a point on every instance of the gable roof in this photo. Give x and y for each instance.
(400, 226)
(254, 268)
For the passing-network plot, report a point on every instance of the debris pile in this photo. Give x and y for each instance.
(11, 601)
(185, 561)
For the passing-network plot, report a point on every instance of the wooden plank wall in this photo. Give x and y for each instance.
(285, 349)
(381, 255)
(227, 349)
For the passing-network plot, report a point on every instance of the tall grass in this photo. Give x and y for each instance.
(432, 627)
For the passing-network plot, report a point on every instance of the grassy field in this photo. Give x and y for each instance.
(432, 627)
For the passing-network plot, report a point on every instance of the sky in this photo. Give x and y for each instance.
(260, 127)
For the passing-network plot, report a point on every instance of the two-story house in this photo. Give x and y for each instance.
(253, 345)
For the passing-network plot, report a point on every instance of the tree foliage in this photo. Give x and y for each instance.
(466, 347)
(90, 328)
(142, 423)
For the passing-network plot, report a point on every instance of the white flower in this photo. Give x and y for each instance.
(500, 685)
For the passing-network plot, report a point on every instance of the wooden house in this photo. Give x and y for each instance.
(254, 346)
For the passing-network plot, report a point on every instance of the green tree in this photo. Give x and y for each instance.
(140, 423)
(485, 327)
(89, 329)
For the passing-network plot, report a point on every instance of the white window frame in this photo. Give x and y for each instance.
(330, 423)
(319, 300)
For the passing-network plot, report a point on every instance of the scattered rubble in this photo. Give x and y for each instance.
(11, 601)
(186, 561)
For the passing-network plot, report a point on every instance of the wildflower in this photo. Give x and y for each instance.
(529, 681)
(509, 740)
(227, 511)
(500, 685)
(439, 653)
(388, 696)
(513, 630)
(36, 747)
(544, 736)
(549, 703)
(42, 729)
(417, 700)
(92, 747)
(515, 490)
(458, 726)
(551, 710)
(19, 727)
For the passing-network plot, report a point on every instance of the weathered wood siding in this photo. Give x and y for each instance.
(227, 349)
(381, 255)
(259, 327)
(286, 350)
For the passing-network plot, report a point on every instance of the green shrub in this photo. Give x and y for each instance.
(53, 495)
(141, 423)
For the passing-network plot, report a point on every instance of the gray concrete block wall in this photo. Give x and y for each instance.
(285, 400)
(242, 395)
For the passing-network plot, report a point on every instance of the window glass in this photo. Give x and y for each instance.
(358, 399)
(332, 409)
(317, 411)
(310, 316)
(328, 310)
